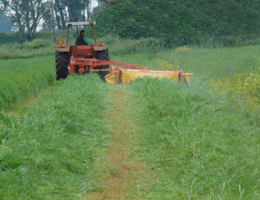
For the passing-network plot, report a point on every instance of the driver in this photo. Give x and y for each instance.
(82, 39)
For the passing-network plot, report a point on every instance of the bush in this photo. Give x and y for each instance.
(36, 44)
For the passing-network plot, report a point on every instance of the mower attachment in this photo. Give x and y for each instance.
(122, 75)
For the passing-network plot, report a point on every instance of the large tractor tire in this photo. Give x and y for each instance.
(62, 62)
(103, 55)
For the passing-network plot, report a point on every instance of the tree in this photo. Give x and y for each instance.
(17, 15)
(2, 7)
(34, 12)
(27, 14)
(101, 2)
(60, 13)
(76, 9)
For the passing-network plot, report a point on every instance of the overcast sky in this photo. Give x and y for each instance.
(94, 4)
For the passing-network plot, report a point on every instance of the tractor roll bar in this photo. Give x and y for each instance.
(69, 24)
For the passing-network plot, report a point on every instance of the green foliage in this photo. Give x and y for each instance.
(36, 44)
(198, 147)
(180, 21)
(9, 38)
(50, 150)
(21, 79)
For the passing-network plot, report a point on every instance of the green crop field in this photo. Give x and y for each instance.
(50, 150)
(24, 78)
(199, 148)
(200, 142)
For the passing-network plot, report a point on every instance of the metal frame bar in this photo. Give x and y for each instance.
(92, 63)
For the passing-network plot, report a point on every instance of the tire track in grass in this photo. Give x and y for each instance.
(118, 184)
(32, 100)
(121, 171)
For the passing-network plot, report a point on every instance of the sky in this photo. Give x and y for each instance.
(94, 4)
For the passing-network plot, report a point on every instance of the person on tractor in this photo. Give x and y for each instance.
(82, 39)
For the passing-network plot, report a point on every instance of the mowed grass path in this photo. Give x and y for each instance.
(121, 171)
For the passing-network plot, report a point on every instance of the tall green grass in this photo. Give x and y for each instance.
(24, 78)
(227, 73)
(223, 73)
(50, 150)
(36, 48)
(116, 46)
(197, 147)
(119, 46)
(215, 63)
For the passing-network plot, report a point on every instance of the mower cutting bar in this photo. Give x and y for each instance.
(92, 63)
(120, 75)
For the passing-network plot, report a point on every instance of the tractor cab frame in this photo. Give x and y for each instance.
(65, 53)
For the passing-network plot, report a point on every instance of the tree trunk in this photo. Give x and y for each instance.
(61, 15)
(29, 31)
(68, 4)
(21, 33)
(56, 14)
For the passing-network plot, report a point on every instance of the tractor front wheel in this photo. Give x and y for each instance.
(62, 62)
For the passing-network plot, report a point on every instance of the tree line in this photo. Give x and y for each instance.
(179, 19)
(26, 15)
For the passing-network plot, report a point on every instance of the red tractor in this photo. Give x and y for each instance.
(66, 52)
(95, 58)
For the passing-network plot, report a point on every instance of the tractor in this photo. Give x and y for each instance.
(65, 53)
(95, 58)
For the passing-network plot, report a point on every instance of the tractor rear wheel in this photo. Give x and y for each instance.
(103, 55)
(62, 62)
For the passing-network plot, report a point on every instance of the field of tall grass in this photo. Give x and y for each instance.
(36, 48)
(196, 146)
(43, 44)
(24, 78)
(231, 74)
(116, 45)
(200, 142)
(50, 150)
